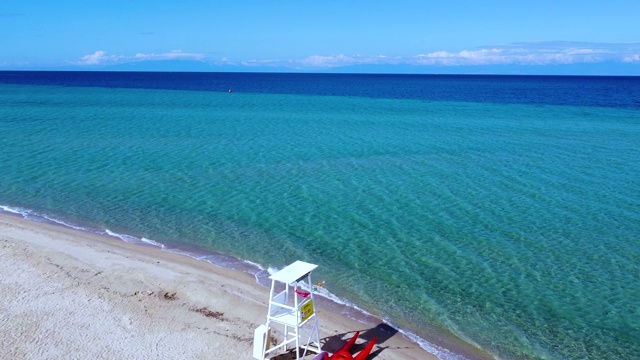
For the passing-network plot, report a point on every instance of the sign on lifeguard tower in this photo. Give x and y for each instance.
(307, 310)
(292, 317)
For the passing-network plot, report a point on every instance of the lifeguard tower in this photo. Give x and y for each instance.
(291, 314)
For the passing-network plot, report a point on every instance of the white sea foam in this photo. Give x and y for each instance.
(32, 215)
(124, 237)
(11, 210)
(153, 242)
(64, 223)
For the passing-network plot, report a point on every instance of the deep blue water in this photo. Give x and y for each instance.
(603, 91)
(503, 211)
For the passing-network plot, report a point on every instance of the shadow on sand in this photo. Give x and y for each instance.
(331, 344)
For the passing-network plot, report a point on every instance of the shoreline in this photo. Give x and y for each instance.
(69, 265)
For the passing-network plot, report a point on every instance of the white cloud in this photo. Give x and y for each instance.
(632, 58)
(532, 53)
(515, 56)
(319, 61)
(99, 57)
(537, 53)
(465, 57)
(252, 63)
(172, 55)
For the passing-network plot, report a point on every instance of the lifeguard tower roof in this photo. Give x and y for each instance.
(294, 272)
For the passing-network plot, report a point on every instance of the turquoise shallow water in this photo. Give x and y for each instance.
(511, 226)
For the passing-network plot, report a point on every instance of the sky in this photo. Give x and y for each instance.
(586, 37)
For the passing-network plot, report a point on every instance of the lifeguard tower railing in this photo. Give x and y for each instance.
(291, 314)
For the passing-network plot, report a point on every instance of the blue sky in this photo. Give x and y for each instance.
(406, 36)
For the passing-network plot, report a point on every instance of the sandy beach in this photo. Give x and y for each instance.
(74, 295)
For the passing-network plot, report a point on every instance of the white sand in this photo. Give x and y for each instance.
(66, 294)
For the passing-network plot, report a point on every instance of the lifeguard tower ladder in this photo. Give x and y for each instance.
(291, 314)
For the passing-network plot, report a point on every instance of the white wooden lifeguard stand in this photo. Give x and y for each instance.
(291, 314)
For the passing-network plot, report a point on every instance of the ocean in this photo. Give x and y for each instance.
(501, 212)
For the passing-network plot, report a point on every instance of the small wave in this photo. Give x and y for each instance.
(35, 216)
(129, 238)
(152, 242)
(439, 352)
(11, 210)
